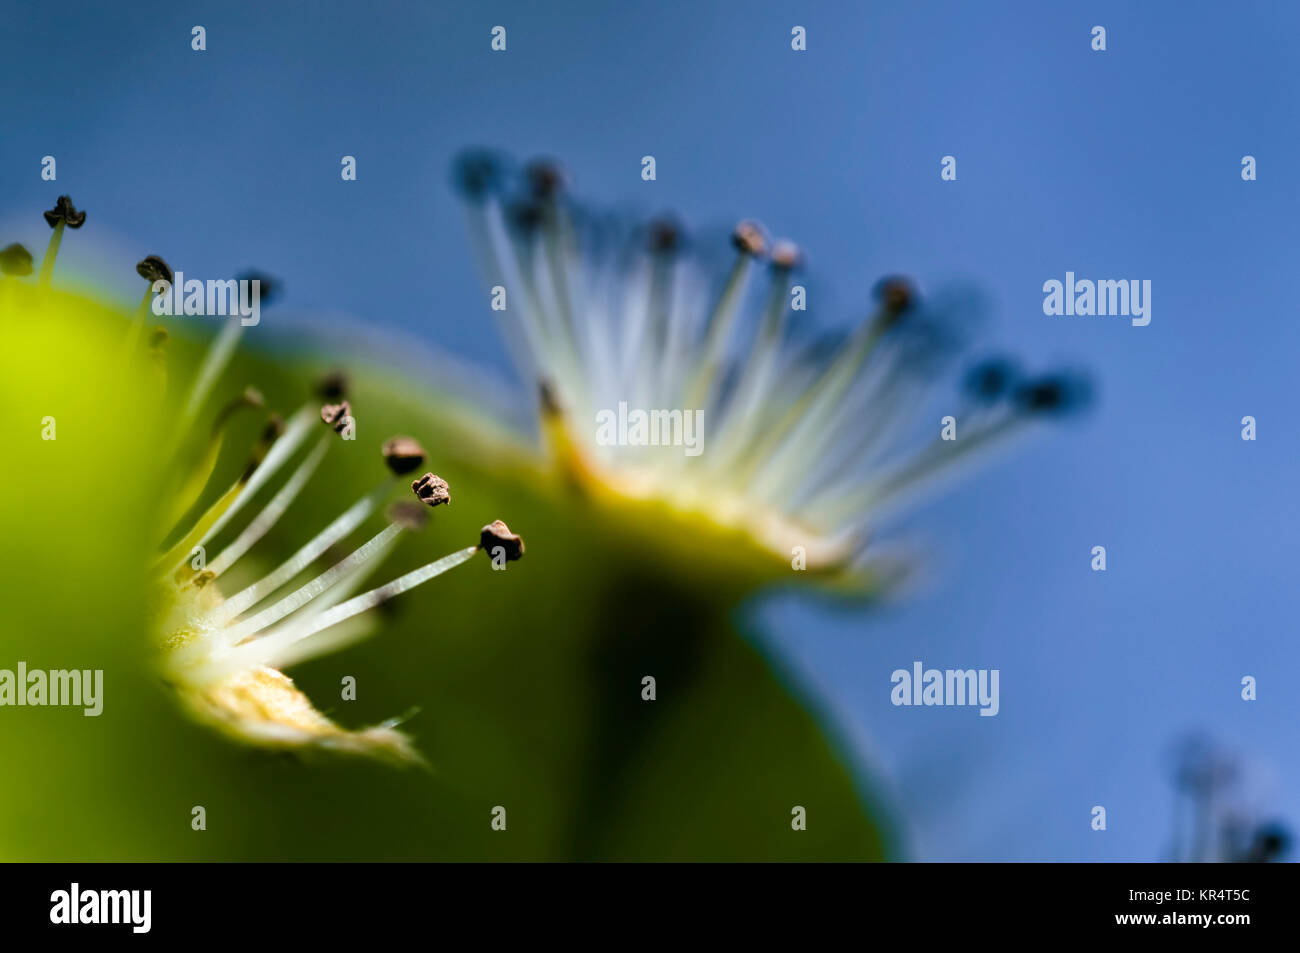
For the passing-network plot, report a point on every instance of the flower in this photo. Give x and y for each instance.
(224, 655)
(223, 649)
(1218, 817)
(802, 450)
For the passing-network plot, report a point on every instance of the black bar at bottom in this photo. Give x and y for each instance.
(253, 902)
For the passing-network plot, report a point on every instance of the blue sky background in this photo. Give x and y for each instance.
(1117, 164)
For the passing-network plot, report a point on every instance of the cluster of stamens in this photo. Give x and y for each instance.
(220, 649)
(803, 444)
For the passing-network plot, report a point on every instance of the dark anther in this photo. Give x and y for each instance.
(545, 179)
(1053, 394)
(496, 535)
(16, 261)
(665, 236)
(992, 379)
(409, 516)
(337, 415)
(476, 173)
(432, 489)
(268, 288)
(403, 454)
(152, 268)
(785, 256)
(64, 211)
(748, 238)
(896, 295)
(333, 386)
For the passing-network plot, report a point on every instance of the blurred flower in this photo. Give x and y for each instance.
(1214, 818)
(803, 450)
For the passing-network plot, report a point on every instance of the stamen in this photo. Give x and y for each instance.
(339, 637)
(272, 432)
(526, 254)
(188, 491)
(546, 180)
(749, 240)
(250, 397)
(338, 416)
(151, 268)
(63, 214)
(402, 454)
(749, 243)
(158, 360)
(568, 456)
(218, 355)
(64, 211)
(183, 547)
(432, 489)
(635, 359)
(892, 396)
(280, 451)
(273, 510)
(374, 597)
(1050, 395)
(1054, 394)
(376, 547)
(16, 261)
(496, 535)
(665, 241)
(410, 516)
(822, 397)
(341, 527)
(333, 386)
(344, 589)
(742, 415)
(477, 175)
(268, 288)
(347, 575)
(991, 380)
(937, 460)
(219, 512)
(270, 645)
